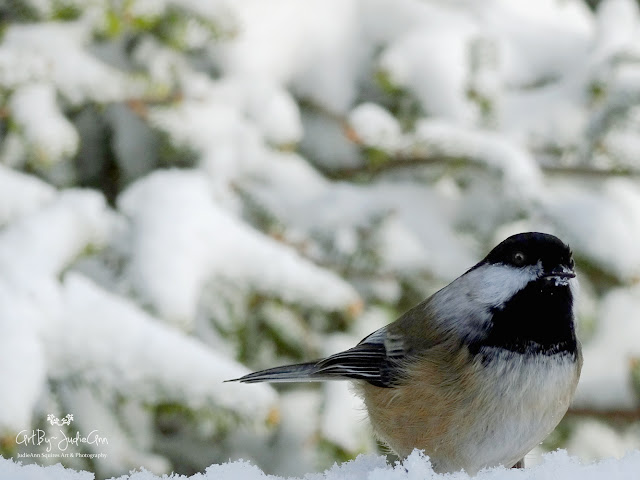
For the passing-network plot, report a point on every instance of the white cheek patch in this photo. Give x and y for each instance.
(494, 285)
(466, 303)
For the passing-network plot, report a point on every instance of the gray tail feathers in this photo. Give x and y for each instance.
(301, 372)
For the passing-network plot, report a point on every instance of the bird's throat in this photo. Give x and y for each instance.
(538, 319)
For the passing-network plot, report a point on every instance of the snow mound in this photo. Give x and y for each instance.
(186, 370)
(371, 467)
(173, 211)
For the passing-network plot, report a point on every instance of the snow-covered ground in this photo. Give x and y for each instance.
(556, 465)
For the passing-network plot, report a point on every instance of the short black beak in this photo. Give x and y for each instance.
(559, 273)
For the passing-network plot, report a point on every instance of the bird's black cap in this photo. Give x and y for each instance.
(529, 248)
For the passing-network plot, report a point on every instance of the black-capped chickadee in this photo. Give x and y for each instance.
(480, 372)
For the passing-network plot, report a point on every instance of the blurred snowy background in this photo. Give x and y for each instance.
(190, 189)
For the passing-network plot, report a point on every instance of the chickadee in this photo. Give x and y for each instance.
(480, 372)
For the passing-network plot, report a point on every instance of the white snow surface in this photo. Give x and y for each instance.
(604, 381)
(174, 212)
(48, 133)
(375, 126)
(555, 465)
(163, 370)
(53, 52)
(72, 327)
(599, 221)
(20, 194)
(430, 63)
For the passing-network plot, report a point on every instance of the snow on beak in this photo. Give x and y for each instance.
(561, 275)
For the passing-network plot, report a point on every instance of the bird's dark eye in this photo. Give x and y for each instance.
(519, 258)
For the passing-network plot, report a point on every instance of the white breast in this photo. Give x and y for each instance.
(530, 394)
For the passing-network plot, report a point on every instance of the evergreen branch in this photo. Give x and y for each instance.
(614, 415)
(140, 106)
(399, 161)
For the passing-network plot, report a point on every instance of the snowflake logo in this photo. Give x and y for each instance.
(53, 420)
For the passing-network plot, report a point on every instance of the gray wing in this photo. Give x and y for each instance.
(377, 359)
